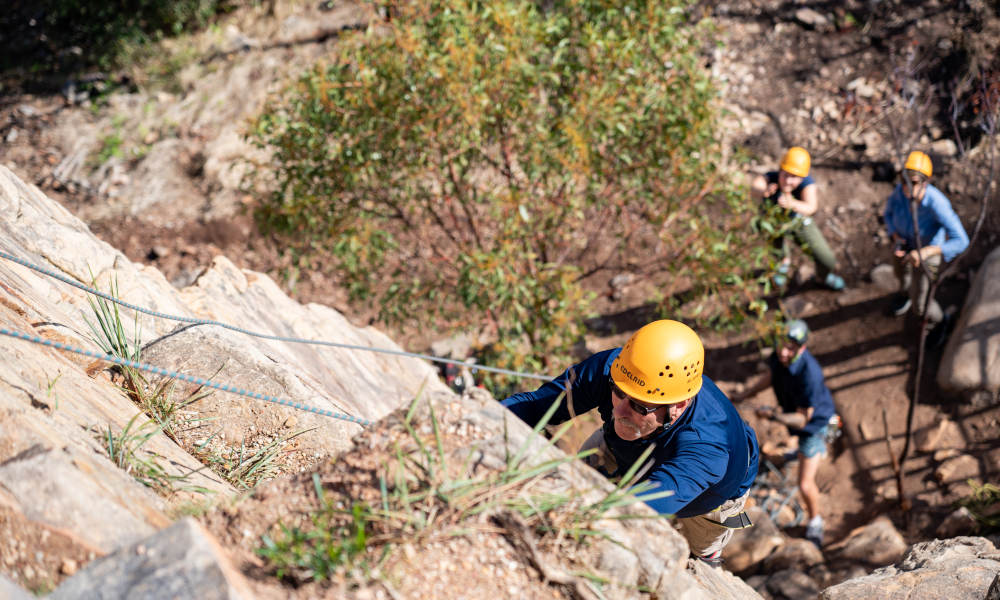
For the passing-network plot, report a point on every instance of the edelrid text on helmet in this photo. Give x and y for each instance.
(662, 363)
(796, 161)
(919, 162)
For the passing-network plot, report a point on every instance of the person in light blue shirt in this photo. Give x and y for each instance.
(941, 236)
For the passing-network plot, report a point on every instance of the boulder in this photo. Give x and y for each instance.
(970, 364)
(12, 591)
(957, 470)
(182, 561)
(960, 522)
(946, 434)
(58, 488)
(994, 592)
(797, 554)
(884, 277)
(962, 568)
(877, 543)
(944, 147)
(812, 18)
(791, 585)
(752, 545)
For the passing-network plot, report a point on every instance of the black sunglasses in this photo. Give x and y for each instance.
(639, 408)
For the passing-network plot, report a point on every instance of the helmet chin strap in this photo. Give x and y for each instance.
(663, 426)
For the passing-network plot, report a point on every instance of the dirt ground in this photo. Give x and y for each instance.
(788, 82)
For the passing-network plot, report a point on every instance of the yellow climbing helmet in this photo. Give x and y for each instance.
(796, 161)
(661, 363)
(919, 162)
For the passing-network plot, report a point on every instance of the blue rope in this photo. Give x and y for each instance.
(295, 340)
(175, 375)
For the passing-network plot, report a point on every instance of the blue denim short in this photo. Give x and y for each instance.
(813, 445)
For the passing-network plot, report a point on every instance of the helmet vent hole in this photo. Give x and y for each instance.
(670, 374)
(661, 373)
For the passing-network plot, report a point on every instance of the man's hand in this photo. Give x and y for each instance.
(913, 258)
(772, 189)
(785, 200)
(764, 412)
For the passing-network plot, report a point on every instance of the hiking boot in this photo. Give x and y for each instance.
(780, 277)
(938, 334)
(900, 305)
(814, 531)
(834, 282)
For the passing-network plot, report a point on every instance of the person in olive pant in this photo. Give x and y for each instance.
(793, 189)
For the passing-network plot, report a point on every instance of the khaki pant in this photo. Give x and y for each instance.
(705, 533)
(913, 281)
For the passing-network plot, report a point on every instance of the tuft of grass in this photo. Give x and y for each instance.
(125, 451)
(983, 503)
(158, 400)
(243, 467)
(108, 332)
(318, 553)
(192, 508)
(50, 391)
(424, 495)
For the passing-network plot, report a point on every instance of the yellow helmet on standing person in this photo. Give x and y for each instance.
(919, 162)
(661, 363)
(796, 161)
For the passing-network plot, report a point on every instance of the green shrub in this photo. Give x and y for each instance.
(471, 163)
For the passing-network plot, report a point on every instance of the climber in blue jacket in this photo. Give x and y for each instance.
(652, 392)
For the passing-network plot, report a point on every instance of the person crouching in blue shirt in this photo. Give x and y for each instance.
(806, 409)
(652, 392)
(941, 236)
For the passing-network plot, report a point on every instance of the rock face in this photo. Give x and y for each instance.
(56, 482)
(182, 561)
(877, 543)
(958, 569)
(971, 361)
(751, 546)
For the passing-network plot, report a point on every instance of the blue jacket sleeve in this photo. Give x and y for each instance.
(957, 240)
(821, 402)
(697, 465)
(589, 386)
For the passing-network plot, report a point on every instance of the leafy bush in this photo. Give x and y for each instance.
(469, 164)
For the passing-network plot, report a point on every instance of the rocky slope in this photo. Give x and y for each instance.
(166, 192)
(68, 507)
(66, 504)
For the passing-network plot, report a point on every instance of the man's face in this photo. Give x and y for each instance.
(915, 189)
(788, 182)
(787, 352)
(630, 425)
